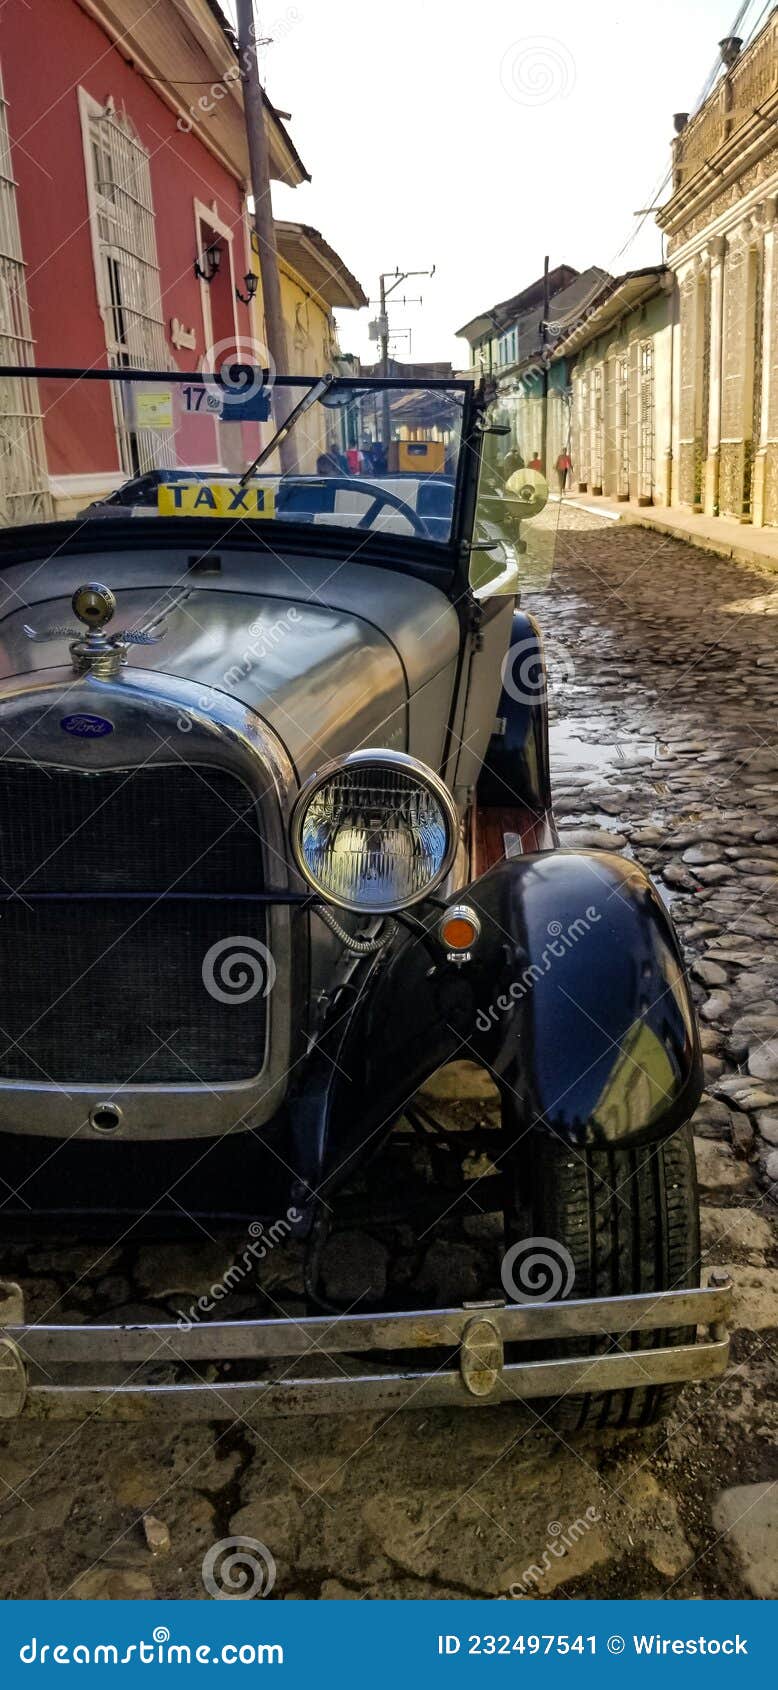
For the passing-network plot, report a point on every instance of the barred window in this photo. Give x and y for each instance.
(647, 422)
(24, 493)
(507, 350)
(125, 255)
(582, 432)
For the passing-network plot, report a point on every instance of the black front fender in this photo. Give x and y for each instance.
(591, 1028)
(575, 1000)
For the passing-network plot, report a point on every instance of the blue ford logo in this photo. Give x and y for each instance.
(86, 727)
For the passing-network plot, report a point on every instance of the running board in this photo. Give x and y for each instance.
(470, 1342)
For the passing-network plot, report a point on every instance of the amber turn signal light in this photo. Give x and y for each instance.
(459, 929)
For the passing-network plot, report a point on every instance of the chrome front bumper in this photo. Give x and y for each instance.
(472, 1373)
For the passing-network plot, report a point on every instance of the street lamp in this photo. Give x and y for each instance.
(251, 282)
(212, 258)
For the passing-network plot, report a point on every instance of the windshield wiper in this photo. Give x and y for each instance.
(319, 387)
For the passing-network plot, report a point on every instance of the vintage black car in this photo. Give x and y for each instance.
(278, 843)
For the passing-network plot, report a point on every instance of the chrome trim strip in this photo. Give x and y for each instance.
(334, 1335)
(24, 1348)
(519, 1382)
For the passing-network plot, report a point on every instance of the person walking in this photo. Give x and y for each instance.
(563, 468)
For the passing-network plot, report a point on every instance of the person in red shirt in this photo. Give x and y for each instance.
(563, 467)
(535, 462)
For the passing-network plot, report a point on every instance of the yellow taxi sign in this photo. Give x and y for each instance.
(214, 498)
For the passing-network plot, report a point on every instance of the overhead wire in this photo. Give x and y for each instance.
(708, 84)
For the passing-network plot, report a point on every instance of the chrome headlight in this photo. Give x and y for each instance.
(374, 832)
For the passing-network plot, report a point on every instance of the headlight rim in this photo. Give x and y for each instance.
(398, 760)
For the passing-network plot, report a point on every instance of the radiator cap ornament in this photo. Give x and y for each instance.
(98, 653)
(94, 604)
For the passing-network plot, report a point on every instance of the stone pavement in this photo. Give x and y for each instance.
(719, 534)
(664, 671)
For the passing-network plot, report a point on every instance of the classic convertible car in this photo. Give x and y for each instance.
(278, 844)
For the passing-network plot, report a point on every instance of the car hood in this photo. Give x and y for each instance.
(326, 677)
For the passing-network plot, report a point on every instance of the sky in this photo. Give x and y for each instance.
(480, 137)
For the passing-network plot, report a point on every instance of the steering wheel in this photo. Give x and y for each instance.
(379, 496)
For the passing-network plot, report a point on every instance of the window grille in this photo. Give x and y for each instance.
(598, 429)
(632, 408)
(24, 493)
(581, 453)
(622, 427)
(127, 266)
(646, 429)
(757, 286)
(507, 348)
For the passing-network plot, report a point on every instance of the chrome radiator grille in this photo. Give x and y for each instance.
(115, 885)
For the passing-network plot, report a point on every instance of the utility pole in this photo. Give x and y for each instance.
(396, 277)
(259, 163)
(384, 322)
(544, 360)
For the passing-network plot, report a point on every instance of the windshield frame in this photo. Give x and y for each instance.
(374, 545)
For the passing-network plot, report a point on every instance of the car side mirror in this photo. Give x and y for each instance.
(528, 491)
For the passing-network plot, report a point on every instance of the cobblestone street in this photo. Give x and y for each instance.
(664, 700)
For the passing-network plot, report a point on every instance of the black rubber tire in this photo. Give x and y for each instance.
(630, 1221)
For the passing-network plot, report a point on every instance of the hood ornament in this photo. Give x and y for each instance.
(98, 653)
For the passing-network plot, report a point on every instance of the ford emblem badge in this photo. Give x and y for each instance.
(86, 727)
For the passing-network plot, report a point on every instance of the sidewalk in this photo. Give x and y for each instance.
(719, 534)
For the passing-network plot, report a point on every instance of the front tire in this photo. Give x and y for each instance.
(629, 1219)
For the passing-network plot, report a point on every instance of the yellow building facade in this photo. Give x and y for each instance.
(314, 282)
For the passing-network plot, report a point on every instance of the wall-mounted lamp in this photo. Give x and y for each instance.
(210, 266)
(251, 282)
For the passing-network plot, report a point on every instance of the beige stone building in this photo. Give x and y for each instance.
(510, 344)
(674, 370)
(621, 363)
(719, 224)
